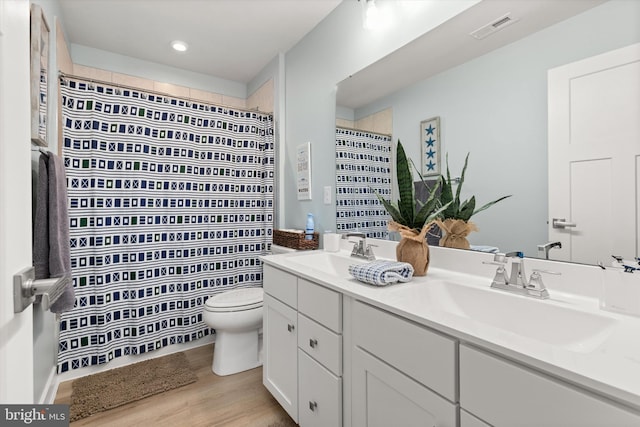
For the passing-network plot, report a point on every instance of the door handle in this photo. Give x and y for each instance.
(290, 327)
(562, 223)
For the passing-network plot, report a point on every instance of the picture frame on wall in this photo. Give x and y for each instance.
(430, 146)
(39, 75)
(303, 161)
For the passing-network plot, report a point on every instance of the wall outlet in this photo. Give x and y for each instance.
(327, 195)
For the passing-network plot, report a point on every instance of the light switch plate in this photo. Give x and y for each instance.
(327, 195)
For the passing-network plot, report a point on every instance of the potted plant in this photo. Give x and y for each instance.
(454, 219)
(411, 217)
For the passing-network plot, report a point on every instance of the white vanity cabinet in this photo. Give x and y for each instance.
(504, 393)
(402, 374)
(302, 336)
(280, 338)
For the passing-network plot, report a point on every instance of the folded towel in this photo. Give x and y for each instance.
(483, 248)
(381, 272)
(51, 249)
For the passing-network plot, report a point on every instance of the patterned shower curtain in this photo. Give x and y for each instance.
(363, 165)
(170, 202)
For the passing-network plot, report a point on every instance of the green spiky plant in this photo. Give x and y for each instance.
(404, 211)
(456, 209)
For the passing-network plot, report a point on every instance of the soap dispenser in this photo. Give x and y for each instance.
(310, 227)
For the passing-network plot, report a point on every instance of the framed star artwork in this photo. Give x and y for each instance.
(430, 146)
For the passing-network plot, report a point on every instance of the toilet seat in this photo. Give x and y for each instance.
(235, 300)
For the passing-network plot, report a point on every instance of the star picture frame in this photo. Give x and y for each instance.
(430, 146)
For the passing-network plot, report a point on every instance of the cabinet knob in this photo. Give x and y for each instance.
(290, 327)
(313, 343)
(313, 405)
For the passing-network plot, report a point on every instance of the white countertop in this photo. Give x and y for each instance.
(611, 367)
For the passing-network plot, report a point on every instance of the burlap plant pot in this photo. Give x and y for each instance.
(413, 247)
(455, 233)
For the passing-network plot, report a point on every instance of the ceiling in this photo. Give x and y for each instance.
(236, 39)
(428, 55)
(229, 39)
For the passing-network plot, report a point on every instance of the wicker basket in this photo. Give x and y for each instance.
(295, 240)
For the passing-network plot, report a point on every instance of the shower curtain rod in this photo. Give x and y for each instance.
(118, 85)
(364, 130)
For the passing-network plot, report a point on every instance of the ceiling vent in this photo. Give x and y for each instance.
(494, 26)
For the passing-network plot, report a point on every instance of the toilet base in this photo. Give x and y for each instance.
(235, 352)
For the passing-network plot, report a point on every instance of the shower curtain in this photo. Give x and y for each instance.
(170, 202)
(363, 167)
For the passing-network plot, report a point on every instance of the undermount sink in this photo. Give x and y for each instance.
(543, 321)
(507, 315)
(328, 263)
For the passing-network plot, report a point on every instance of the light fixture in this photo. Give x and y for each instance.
(179, 46)
(372, 17)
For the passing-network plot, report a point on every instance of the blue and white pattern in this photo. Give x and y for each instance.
(170, 202)
(382, 272)
(363, 165)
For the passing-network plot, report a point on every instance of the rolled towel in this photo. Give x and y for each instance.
(381, 272)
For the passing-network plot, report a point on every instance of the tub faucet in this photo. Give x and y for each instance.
(544, 249)
(360, 248)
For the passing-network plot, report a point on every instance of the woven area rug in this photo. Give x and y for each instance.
(117, 387)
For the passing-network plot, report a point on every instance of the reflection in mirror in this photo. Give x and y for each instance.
(363, 168)
(495, 107)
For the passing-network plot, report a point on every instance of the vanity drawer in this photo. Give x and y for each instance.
(320, 304)
(320, 343)
(281, 285)
(504, 393)
(424, 355)
(319, 395)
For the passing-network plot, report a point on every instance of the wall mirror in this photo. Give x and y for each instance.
(492, 99)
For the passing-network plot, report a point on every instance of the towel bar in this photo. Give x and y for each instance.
(25, 289)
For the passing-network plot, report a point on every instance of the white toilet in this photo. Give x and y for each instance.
(236, 315)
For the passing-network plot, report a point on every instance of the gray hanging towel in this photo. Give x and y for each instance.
(51, 250)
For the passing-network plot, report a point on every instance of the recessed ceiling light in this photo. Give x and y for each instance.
(179, 46)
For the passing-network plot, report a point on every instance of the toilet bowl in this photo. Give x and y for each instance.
(236, 316)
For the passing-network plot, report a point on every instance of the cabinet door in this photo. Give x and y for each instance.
(320, 394)
(280, 352)
(383, 397)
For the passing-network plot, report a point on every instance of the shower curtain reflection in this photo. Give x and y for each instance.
(170, 201)
(363, 165)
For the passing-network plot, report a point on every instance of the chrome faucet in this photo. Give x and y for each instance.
(516, 282)
(360, 248)
(518, 277)
(544, 249)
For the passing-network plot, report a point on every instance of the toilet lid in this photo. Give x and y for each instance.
(240, 299)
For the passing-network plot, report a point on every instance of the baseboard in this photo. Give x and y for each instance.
(129, 360)
(48, 395)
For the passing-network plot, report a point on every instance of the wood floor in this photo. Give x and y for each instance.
(234, 400)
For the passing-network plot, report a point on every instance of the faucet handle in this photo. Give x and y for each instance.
(368, 252)
(535, 286)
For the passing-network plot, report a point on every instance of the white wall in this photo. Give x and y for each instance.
(104, 60)
(495, 107)
(16, 342)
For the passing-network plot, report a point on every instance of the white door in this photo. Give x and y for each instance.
(594, 156)
(16, 330)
